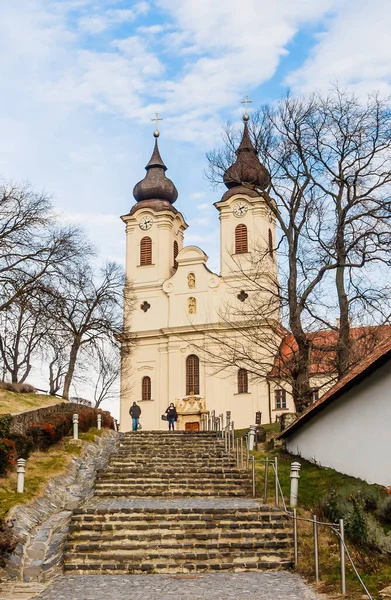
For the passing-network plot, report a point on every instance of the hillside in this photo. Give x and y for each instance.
(11, 402)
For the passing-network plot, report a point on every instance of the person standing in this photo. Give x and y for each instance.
(135, 412)
(172, 416)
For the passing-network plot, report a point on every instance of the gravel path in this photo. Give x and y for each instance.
(208, 586)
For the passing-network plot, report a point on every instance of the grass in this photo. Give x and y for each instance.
(11, 402)
(314, 485)
(40, 468)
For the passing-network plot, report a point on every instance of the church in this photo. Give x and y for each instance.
(173, 301)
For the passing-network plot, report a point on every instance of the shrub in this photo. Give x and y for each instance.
(5, 424)
(18, 388)
(7, 455)
(377, 538)
(63, 426)
(350, 508)
(107, 419)
(24, 445)
(384, 510)
(43, 435)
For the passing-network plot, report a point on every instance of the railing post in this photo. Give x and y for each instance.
(251, 436)
(20, 471)
(99, 417)
(233, 435)
(316, 550)
(253, 475)
(342, 555)
(241, 454)
(295, 540)
(75, 426)
(266, 480)
(276, 480)
(295, 476)
(225, 440)
(247, 455)
(237, 454)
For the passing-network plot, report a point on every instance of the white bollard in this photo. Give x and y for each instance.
(75, 426)
(251, 437)
(295, 476)
(21, 471)
(99, 422)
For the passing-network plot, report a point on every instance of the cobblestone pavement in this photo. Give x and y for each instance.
(208, 586)
(20, 591)
(193, 502)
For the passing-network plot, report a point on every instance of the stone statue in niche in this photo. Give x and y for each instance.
(192, 306)
(191, 281)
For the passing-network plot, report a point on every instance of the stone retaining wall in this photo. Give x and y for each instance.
(41, 527)
(22, 421)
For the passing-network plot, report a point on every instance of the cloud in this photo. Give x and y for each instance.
(103, 20)
(353, 51)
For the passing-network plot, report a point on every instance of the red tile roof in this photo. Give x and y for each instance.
(323, 353)
(377, 358)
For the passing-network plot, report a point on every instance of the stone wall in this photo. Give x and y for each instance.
(22, 421)
(41, 527)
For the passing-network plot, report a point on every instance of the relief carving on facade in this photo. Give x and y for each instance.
(192, 306)
(192, 405)
(191, 281)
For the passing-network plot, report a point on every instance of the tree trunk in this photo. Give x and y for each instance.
(301, 389)
(343, 343)
(71, 367)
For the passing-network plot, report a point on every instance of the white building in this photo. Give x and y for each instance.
(348, 429)
(179, 301)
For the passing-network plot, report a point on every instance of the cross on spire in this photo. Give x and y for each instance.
(246, 102)
(156, 119)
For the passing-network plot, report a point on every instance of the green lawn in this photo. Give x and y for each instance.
(314, 486)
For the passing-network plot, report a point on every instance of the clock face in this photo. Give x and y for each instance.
(240, 209)
(146, 223)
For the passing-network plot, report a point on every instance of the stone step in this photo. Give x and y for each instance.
(79, 533)
(145, 476)
(170, 546)
(172, 493)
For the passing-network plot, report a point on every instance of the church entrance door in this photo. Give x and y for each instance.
(192, 427)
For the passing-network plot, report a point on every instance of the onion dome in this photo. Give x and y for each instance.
(247, 171)
(155, 185)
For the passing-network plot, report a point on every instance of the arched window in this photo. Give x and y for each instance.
(241, 245)
(175, 254)
(192, 375)
(192, 306)
(271, 245)
(146, 388)
(242, 381)
(146, 251)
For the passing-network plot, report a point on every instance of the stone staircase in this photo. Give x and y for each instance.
(175, 503)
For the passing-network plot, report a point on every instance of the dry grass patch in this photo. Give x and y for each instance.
(11, 402)
(40, 468)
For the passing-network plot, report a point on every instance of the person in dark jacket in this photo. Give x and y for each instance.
(172, 416)
(135, 412)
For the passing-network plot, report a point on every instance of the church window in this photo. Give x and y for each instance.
(192, 306)
(271, 245)
(146, 388)
(145, 251)
(191, 280)
(175, 254)
(241, 245)
(192, 375)
(280, 398)
(242, 381)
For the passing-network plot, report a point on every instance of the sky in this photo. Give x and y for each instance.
(82, 79)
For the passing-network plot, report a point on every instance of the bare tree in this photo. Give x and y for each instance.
(89, 310)
(106, 365)
(33, 247)
(329, 194)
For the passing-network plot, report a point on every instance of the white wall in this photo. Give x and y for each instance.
(353, 434)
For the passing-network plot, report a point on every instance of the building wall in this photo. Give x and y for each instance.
(353, 434)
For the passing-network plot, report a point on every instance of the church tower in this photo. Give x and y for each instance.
(246, 224)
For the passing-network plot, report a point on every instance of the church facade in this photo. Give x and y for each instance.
(177, 304)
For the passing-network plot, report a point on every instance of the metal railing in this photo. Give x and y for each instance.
(240, 446)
